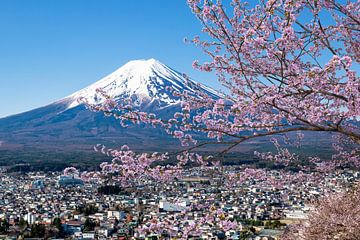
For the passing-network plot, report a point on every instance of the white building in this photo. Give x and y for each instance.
(165, 206)
(30, 218)
(116, 214)
(296, 214)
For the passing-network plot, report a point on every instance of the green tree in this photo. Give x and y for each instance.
(89, 225)
(87, 210)
(37, 230)
(22, 223)
(57, 223)
(4, 226)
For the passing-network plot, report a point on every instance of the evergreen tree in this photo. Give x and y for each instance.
(89, 225)
(4, 226)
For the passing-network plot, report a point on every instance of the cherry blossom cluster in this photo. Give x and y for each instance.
(273, 179)
(71, 171)
(335, 216)
(129, 168)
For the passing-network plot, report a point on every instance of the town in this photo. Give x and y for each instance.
(52, 206)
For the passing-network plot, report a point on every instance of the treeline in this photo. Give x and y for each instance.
(29, 160)
(33, 160)
(110, 189)
(268, 224)
(87, 209)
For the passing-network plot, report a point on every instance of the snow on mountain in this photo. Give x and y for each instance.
(69, 123)
(144, 80)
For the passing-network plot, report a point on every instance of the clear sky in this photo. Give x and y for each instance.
(52, 48)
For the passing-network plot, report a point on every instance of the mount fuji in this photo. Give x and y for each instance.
(66, 129)
(67, 123)
(145, 80)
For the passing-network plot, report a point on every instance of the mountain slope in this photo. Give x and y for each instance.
(67, 123)
(148, 80)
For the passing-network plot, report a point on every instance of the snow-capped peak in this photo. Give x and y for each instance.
(146, 80)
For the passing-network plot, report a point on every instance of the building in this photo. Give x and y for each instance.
(30, 218)
(67, 181)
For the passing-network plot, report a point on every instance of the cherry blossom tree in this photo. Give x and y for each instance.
(287, 66)
(335, 216)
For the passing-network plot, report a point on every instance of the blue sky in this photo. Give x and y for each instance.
(49, 49)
